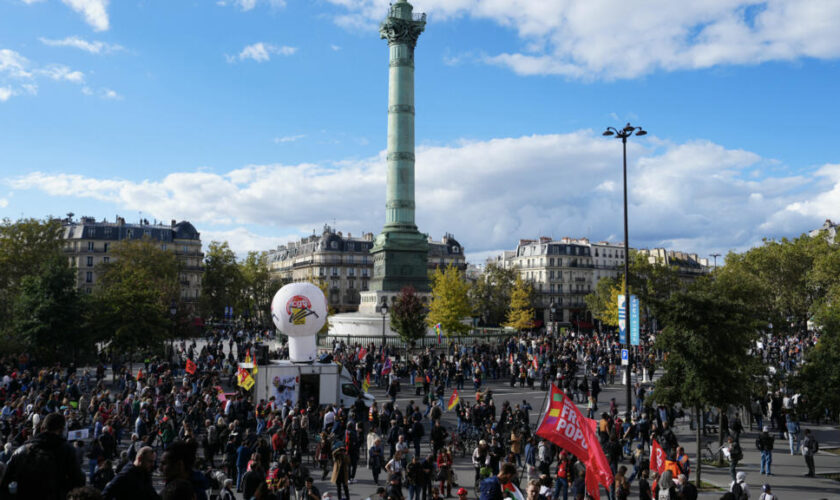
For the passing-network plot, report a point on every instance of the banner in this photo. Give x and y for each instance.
(657, 457)
(284, 390)
(565, 426)
(622, 320)
(191, 367)
(634, 320)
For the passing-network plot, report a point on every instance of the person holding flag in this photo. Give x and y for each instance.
(438, 331)
(453, 400)
(366, 383)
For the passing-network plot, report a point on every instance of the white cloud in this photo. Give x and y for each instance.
(247, 5)
(60, 72)
(94, 47)
(241, 240)
(30, 2)
(13, 65)
(608, 39)
(288, 138)
(106, 93)
(5, 93)
(262, 52)
(95, 12)
(336, 48)
(694, 196)
(4, 203)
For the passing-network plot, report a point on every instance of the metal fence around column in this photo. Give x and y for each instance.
(476, 336)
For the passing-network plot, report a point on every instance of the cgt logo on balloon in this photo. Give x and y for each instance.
(298, 308)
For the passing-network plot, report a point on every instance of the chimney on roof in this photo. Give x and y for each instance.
(173, 223)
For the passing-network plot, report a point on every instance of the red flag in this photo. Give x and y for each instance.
(386, 368)
(510, 360)
(191, 367)
(565, 426)
(591, 482)
(536, 365)
(139, 374)
(657, 457)
(362, 354)
(428, 379)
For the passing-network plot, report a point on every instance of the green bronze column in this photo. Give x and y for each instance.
(400, 252)
(401, 29)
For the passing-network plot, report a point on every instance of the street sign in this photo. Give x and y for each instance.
(625, 358)
(622, 321)
(634, 320)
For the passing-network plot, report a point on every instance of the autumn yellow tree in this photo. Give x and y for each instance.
(521, 314)
(450, 301)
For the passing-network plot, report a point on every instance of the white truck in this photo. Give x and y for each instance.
(326, 383)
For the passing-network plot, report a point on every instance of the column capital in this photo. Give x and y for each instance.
(402, 31)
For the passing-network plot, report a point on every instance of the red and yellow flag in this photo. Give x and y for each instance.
(453, 400)
(366, 383)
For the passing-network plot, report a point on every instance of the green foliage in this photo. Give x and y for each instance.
(450, 301)
(490, 294)
(48, 311)
(708, 338)
(258, 288)
(222, 283)
(137, 289)
(24, 247)
(408, 316)
(820, 376)
(520, 316)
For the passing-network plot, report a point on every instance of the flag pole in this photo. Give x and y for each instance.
(542, 409)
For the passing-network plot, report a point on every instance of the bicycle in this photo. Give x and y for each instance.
(707, 455)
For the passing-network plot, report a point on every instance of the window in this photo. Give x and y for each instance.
(350, 284)
(106, 259)
(186, 249)
(365, 272)
(334, 271)
(89, 277)
(351, 272)
(321, 271)
(551, 288)
(334, 245)
(551, 274)
(551, 261)
(90, 261)
(454, 249)
(107, 232)
(90, 246)
(105, 247)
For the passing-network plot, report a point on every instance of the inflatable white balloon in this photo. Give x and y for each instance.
(299, 310)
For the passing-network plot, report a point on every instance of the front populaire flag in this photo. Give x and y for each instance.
(565, 426)
(657, 457)
(248, 356)
(362, 354)
(366, 383)
(386, 368)
(191, 367)
(453, 400)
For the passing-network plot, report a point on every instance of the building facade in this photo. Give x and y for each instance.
(88, 243)
(563, 272)
(345, 263)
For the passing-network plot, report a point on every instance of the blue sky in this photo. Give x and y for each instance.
(260, 120)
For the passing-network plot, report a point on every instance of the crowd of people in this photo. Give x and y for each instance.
(157, 431)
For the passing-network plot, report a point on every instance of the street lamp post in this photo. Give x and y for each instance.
(623, 134)
(715, 256)
(384, 310)
(173, 311)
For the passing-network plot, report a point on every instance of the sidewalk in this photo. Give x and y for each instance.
(788, 480)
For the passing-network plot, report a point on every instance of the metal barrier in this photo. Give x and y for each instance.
(476, 336)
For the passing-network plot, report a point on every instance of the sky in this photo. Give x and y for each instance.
(262, 120)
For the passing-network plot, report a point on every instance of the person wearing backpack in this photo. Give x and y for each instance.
(45, 467)
(810, 446)
(736, 454)
(739, 488)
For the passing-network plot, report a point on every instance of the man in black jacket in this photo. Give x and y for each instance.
(135, 480)
(45, 467)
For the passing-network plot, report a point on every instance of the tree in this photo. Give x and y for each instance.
(603, 302)
(47, 313)
(490, 294)
(221, 285)
(520, 316)
(137, 288)
(24, 247)
(819, 376)
(708, 338)
(408, 316)
(450, 303)
(258, 288)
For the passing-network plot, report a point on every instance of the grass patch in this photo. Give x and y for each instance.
(715, 464)
(705, 486)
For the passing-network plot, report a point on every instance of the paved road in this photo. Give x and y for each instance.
(787, 481)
